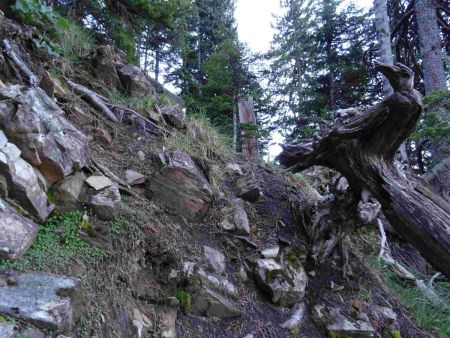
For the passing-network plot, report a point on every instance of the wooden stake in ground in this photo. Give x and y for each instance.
(247, 118)
(363, 151)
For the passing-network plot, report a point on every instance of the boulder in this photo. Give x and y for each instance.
(135, 82)
(105, 203)
(336, 324)
(179, 184)
(107, 59)
(40, 299)
(69, 193)
(208, 303)
(99, 182)
(32, 121)
(18, 181)
(215, 259)
(248, 188)
(234, 217)
(285, 286)
(173, 115)
(18, 233)
(134, 178)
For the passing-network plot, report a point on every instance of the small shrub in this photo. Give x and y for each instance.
(396, 334)
(185, 300)
(58, 241)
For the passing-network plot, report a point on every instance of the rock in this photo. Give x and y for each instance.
(173, 115)
(99, 182)
(134, 178)
(105, 203)
(284, 286)
(49, 142)
(248, 188)
(33, 333)
(368, 211)
(243, 277)
(234, 217)
(135, 82)
(234, 168)
(141, 155)
(18, 180)
(215, 259)
(18, 233)
(335, 323)
(208, 303)
(8, 330)
(169, 319)
(180, 185)
(40, 299)
(439, 178)
(105, 62)
(271, 252)
(69, 194)
(388, 314)
(295, 317)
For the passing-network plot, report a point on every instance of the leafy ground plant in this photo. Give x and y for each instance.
(57, 242)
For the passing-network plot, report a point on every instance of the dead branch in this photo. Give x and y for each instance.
(31, 78)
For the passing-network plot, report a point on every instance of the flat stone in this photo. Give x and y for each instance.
(40, 299)
(215, 259)
(134, 178)
(99, 182)
(18, 233)
(105, 203)
(271, 252)
(35, 123)
(180, 185)
(334, 322)
(211, 304)
(235, 217)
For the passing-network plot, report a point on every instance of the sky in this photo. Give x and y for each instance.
(254, 19)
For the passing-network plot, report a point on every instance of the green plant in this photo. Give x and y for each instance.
(58, 241)
(429, 316)
(185, 300)
(396, 334)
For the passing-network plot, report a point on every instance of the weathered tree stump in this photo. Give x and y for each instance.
(247, 118)
(363, 151)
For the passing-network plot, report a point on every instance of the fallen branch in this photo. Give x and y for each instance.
(31, 78)
(93, 99)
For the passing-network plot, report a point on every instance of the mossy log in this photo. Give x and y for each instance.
(363, 151)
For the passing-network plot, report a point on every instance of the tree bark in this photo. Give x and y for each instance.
(384, 40)
(363, 151)
(430, 46)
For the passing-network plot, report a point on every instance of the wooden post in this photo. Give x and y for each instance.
(247, 118)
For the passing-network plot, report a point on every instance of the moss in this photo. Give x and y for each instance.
(396, 334)
(334, 334)
(185, 300)
(292, 257)
(52, 195)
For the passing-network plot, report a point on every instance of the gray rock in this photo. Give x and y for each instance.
(173, 115)
(34, 122)
(271, 252)
(106, 60)
(134, 178)
(215, 259)
(169, 319)
(247, 188)
(285, 286)
(180, 185)
(334, 322)
(295, 317)
(69, 194)
(19, 181)
(439, 178)
(40, 299)
(18, 233)
(234, 217)
(211, 304)
(8, 330)
(234, 168)
(135, 82)
(368, 211)
(99, 182)
(105, 203)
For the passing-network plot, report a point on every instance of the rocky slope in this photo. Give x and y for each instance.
(125, 219)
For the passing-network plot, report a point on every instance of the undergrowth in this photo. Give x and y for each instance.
(430, 317)
(57, 242)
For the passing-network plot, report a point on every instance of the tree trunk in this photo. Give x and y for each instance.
(247, 118)
(384, 39)
(430, 46)
(363, 151)
(157, 65)
(235, 128)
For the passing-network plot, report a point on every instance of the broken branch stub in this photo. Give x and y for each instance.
(363, 151)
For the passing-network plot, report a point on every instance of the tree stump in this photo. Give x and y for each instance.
(247, 118)
(363, 151)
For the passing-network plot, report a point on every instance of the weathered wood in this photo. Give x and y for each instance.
(363, 151)
(247, 118)
(32, 79)
(93, 99)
